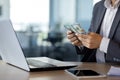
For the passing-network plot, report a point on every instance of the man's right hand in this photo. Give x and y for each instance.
(73, 38)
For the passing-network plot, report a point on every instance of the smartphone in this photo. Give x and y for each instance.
(84, 73)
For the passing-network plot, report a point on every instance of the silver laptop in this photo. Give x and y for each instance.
(11, 52)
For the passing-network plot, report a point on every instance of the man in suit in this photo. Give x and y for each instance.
(102, 43)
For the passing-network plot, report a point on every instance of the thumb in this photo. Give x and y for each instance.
(91, 33)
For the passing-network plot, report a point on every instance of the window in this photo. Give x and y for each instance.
(29, 12)
(95, 1)
(84, 13)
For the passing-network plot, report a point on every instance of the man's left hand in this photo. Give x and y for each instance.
(91, 40)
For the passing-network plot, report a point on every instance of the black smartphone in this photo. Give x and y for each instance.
(84, 73)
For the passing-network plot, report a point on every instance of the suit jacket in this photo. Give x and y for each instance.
(113, 52)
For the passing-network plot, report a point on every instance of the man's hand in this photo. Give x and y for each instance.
(73, 38)
(91, 40)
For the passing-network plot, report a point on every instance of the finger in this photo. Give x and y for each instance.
(87, 40)
(82, 37)
(84, 44)
(71, 36)
(87, 45)
(73, 39)
(90, 46)
(69, 32)
(92, 33)
(76, 42)
(79, 35)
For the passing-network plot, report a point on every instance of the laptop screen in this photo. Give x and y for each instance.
(11, 51)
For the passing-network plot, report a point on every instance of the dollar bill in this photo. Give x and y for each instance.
(68, 27)
(75, 28)
(71, 28)
(78, 29)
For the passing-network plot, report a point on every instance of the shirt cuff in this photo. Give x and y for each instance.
(104, 44)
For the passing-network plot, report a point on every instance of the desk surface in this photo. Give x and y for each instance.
(8, 72)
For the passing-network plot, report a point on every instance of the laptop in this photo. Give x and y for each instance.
(11, 52)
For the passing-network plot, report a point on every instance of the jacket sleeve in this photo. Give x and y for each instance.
(113, 52)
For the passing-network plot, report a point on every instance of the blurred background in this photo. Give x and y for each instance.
(39, 25)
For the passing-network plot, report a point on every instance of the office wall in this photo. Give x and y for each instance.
(62, 11)
(67, 11)
(95, 1)
(5, 9)
(84, 12)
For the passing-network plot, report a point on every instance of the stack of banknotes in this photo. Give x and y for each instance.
(76, 28)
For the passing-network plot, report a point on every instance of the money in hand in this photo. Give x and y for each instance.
(76, 28)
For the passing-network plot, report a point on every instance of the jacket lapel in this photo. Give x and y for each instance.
(115, 23)
(100, 19)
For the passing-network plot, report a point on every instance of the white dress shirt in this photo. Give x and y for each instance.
(105, 28)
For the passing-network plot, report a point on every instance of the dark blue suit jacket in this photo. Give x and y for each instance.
(113, 52)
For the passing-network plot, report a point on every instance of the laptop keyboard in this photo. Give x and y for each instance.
(40, 64)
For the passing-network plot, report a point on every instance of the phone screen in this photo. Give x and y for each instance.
(83, 72)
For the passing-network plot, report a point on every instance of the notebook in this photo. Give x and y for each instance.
(11, 52)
